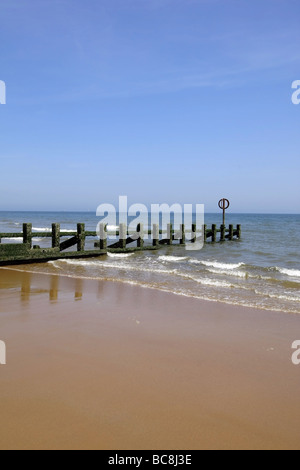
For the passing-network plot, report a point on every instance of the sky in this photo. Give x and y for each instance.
(165, 101)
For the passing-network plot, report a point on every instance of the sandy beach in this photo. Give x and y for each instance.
(104, 365)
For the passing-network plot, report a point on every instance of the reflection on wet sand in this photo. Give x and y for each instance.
(26, 288)
(137, 368)
(28, 285)
(53, 293)
(78, 289)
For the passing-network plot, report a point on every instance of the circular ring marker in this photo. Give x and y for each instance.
(224, 204)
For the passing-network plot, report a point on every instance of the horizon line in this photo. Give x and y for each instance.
(90, 211)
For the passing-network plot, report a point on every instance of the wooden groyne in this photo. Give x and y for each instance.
(26, 252)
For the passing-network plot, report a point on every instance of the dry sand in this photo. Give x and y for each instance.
(102, 365)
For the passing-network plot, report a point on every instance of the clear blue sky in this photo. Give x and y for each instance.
(161, 100)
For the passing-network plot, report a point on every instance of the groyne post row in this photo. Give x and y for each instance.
(27, 252)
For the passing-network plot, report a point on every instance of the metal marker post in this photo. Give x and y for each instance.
(224, 204)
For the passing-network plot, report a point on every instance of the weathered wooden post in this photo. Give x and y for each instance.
(230, 232)
(155, 235)
(140, 240)
(27, 234)
(204, 233)
(182, 234)
(214, 233)
(194, 233)
(55, 235)
(80, 237)
(170, 234)
(239, 231)
(123, 236)
(103, 237)
(223, 233)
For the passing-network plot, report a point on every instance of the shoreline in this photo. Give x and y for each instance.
(145, 286)
(102, 365)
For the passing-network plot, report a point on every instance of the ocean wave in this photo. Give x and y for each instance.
(124, 266)
(17, 240)
(212, 282)
(175, 291)
(104, 264)
(217, 265)
(285, 297)
(120, 255)
(289, 272)
(172, 259)
(241, 274)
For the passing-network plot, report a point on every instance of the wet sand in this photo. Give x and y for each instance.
(102, 365)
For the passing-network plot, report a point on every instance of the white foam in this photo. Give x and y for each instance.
(200, 296)
(172, 259)
(38, 229)
(285, 297)
(195, 261)
(241, 274)
(112, 228)
(73, 262)
(120, 255)
(289, 272)
(18, 240)
(48, 230)
(212, 282)
(104, 264)
(217, 265)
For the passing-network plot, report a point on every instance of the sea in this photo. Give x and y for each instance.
(262, 270)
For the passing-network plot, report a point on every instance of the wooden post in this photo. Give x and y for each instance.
(230, 232)
(223, 233)
(214, 233)
(204, 233)
(140, 240)
(239, 231)
(155, 235)
(55, 235)
(194, 233)
(80, 237)
(27, 234)
(182, 234)
(123, 236)
(103, 237)
(170, 234)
